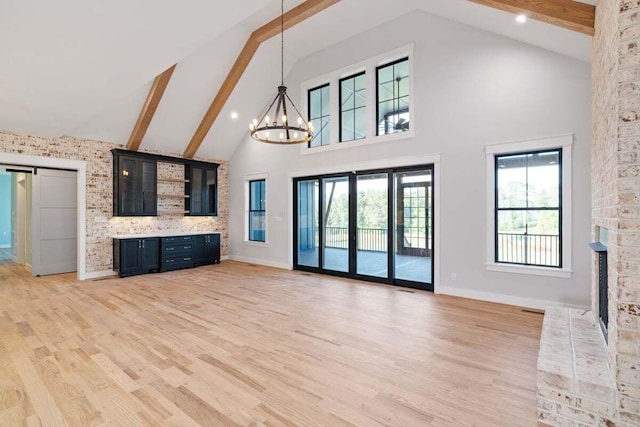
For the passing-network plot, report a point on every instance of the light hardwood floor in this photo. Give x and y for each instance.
(237, 344)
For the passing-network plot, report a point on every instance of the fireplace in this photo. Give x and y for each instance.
(603, 287)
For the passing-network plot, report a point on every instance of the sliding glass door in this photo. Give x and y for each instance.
(335, 220)
(308, 220)
(413, 248)
(372, 250)
(371, 225)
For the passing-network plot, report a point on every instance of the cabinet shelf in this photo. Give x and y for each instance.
(175, 196)
(172, 212)
(183, 181)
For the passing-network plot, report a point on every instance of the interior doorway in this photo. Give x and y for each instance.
(38, 219)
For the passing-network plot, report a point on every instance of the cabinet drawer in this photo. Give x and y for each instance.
(177, 262)
(178, 248)
(176, 240)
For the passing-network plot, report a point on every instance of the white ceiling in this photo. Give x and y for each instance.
(84, 68)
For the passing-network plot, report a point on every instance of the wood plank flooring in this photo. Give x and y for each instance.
(242, 345)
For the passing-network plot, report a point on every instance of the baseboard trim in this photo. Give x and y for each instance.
(280, 265)
(538, 304)
(99, 274)
(224, 258)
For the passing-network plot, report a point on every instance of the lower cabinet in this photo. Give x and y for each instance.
(135, 256)
(206, 249)
(146, 255)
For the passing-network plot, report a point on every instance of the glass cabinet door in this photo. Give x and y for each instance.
(128, 188)
(148, 187)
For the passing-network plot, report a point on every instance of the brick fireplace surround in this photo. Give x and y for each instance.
(582, 380)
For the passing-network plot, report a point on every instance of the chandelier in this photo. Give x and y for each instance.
(275, 126)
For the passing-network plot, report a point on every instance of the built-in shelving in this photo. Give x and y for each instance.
(176, 196)
(183, 181)
(172, 212)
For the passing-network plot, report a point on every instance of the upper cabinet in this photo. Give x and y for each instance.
(203, 190)
(135, 185)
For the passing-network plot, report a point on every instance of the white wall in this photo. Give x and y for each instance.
(471, 88)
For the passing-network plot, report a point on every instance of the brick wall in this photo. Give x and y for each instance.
(99, 161)
(616, 187)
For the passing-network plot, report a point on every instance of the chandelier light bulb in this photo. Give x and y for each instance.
(299, 120)
(295, 135)
(266, 135)
(251, 127)
(266, 120)
(284, 119)
(255, 122)
(281, 135)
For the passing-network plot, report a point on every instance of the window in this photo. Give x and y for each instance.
(257, 210)
(392, 84)
(319, 115)
(529, 211)
(353, 97)
(528, 208)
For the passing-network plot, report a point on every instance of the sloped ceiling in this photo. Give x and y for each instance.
(84, 68)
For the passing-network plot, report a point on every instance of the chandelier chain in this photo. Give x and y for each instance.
(282, 42)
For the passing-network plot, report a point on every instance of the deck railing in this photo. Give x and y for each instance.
(535, 249)
(369, 239)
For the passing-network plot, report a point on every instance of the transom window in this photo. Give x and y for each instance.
(353, 101)
(392, 83)
(319, 115)
(257, 210)
(528, 208)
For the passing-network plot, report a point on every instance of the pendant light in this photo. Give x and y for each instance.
(275, 126)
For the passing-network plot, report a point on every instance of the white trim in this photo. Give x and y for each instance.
(333, 79)
(533, 144)
(255, 243)
(538, 304)
(256, 261)
(100, 274)
(433, 159)
(564, 142)
(526, 269)
(81, 167)
(224, 258)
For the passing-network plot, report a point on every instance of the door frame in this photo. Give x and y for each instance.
(376, 165)
(80, 166)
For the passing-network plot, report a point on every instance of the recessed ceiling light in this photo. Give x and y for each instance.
(234, 115)
(521, 19)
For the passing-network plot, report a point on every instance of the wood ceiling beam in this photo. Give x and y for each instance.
(568, 14)
(149, 108)
(294, 16)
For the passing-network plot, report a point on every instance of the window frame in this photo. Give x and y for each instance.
(497, 209)
(562, 142)
(247, 208)
(341, 111)
(310, 119)
(263, 193)
(377, 99)
(368, 66)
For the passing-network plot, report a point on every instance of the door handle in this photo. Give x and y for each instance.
(143, 244)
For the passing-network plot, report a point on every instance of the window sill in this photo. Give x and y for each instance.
(335, 145)
(534, 271)
(254, 243)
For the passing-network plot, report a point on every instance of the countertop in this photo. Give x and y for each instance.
(162, 234)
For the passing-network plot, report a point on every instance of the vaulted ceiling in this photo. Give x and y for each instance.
(80, 68)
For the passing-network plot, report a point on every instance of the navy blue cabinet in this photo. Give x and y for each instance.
(135, 256)
(150, 254)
